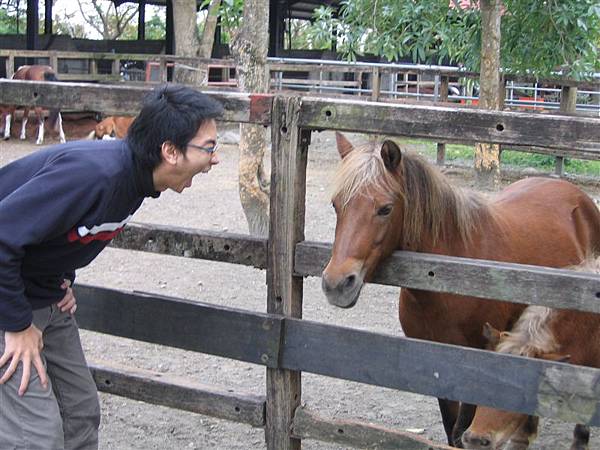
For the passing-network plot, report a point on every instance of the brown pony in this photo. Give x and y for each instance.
(113, 127)
(556, 335)
(34, 73)
(388, 200)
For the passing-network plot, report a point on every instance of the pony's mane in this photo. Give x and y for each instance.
(531, 335)
(431, 203)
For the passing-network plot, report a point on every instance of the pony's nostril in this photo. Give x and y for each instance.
(350, 280)
(485, 442)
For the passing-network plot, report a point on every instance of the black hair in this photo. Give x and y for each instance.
(170, 113)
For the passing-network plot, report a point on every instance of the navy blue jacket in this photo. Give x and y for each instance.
(59, 207)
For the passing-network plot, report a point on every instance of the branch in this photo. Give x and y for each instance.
(89, 20)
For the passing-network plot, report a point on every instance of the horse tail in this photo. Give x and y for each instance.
(53, 116)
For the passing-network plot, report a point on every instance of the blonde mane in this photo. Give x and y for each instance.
(431, 204)
(532, 335)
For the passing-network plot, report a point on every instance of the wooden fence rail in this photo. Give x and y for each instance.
(122, 100)
(437, 273)
(180, 393)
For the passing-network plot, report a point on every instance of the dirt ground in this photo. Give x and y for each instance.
(212, 203)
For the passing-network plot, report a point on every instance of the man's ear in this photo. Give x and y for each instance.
(169, 152)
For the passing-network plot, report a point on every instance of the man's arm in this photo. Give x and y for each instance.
(47, 205)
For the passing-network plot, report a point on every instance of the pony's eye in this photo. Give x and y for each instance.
(384, 210)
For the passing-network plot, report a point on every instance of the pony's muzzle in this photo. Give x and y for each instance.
(477, 441)
(342, 292)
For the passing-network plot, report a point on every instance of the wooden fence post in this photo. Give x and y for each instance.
(116, 67)
(288, 189)
(10, 66)
(568, 104)
(53, 60)
(375, 84)
(443, 97)
(162, 70)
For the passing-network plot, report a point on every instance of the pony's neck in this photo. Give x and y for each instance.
(437, 216)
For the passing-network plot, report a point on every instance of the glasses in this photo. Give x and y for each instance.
(210, 150)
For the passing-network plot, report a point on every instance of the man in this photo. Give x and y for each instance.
(59, 208)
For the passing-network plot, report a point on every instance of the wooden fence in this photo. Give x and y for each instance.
(287, 345)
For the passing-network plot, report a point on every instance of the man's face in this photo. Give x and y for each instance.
(195, 160)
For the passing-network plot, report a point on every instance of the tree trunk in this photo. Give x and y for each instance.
(187, 42)
(208, 34)
(487, 156)
(249, 47)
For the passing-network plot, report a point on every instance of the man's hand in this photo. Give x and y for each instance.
(23, 346)
(68, 303)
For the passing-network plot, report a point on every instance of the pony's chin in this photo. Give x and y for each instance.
(345, 301)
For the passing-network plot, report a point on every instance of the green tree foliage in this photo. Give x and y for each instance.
(538, 37)
(231, 13)
(155, 27)
(13, 17)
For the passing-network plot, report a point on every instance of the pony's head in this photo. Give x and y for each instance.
(385, 200)
(494, 429)
(368, 202)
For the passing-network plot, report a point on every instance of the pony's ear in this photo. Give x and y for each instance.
(343, 145)
(492, 336)
(391, 155)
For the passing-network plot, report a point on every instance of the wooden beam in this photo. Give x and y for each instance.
(33, 23)
(309, 425)
(452, 124)
(177, 392)
(141, 35)
(184, 324)
(189, 243)
(548, 389)
(555, 288)
(170, 29)
(286, 228)
(48, 17)
(122, 100)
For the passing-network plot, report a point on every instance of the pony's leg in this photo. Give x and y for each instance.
(61, 133)
(7, 120)
(581, 437)
(23, 134)
(466, 412)
(40, 116)
(449, 411)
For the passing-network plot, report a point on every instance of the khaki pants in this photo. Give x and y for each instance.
(67, 414)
